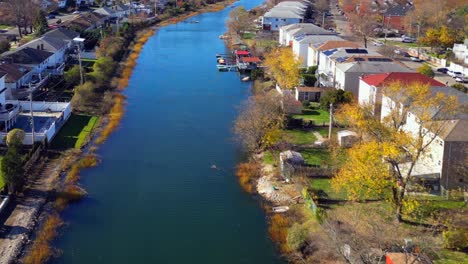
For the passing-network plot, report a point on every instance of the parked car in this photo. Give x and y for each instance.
(461, 79)
(406, 39)
(457, 75)
(416, 59)
(454, 74)
(377, 43)
(76, 13)
(50, 16)
(443, 70)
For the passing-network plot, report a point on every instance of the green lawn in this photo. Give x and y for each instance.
(268, 157)
(402, 44)
(248, 35)
(299, 136)
(75, 131)
(323, 189)
(451, 257)
(319, 116)
(315, 156)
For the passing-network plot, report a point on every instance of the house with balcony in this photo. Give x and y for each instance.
(330, 58)
(16, 76)
(289, 32)
(56, 46)
(33, 63)
(284, 13)
(316, 48)
(444, 165)
(300, 44)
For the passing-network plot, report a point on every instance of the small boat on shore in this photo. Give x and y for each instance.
(246, 79)
(223, 37)
(280, 209)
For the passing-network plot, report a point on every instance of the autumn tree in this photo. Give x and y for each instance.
(283, 65)
(259, 122)
(391, 151)
(12, 162)
(363, 22)
(239, 20)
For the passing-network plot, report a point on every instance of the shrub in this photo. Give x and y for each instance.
(460, 87)
(247, 173)
(426, 70)
(296, 237)
(278, 230)
(456, 239)
(309, 79)
(336, 97)
(4, 46)
(72, 76)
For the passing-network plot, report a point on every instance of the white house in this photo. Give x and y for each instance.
(444, 164)
(16, 76)
(300, 44)
(347, 74)
(371, 85)
(284, 13)
(288, 32)
(461, 51)
(314, 49)
(330, 58)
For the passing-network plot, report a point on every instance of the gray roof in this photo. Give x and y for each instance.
(13, 72)
(310, 39)
(27, 56)
(104, 11)
(371, 67)
(62, 33)
(287, 9)
(342, 54)
(455, 131)
(307, 29)
(46, 43)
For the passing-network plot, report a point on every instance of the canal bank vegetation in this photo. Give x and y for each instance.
(341, 204)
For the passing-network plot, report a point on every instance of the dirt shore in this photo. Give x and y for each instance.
(21, 218)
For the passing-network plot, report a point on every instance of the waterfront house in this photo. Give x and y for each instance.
(443, 167)
(347, 74)
(284, 13)
(289, 32)
(314, 49)
(301, 43)
(16, 76)
(56, 46)
(34, 60)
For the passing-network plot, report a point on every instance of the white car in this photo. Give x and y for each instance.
(461, 79)
(377, 43)
(416, 59)
(455, 74)
(76, 13)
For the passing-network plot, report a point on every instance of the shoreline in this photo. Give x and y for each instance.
(42, 218)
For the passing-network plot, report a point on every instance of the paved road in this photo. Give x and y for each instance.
(14, 30)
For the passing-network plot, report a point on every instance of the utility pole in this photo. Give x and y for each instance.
(79, 42)
(331, 121)
(32, 115)
(417, 40)
(323, 19)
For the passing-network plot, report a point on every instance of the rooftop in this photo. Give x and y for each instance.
(27, 55)
(306, 29)
(13, 71)
(371, 67)
(398, 10)
(333, 44)
(62, 33)
(46, 43)
(404, 77)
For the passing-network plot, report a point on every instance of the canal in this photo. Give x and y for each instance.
(154, 197)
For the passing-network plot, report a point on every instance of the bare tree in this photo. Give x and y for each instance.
(259, 121)
(363, 22)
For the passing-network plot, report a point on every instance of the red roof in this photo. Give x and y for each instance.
(251, 59)
(404, 77)
(242, 52)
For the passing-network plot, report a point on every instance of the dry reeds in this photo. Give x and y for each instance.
(278, 230)
(40, 250)
(247, 173)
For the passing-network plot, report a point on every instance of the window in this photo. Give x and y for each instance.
(439, 162)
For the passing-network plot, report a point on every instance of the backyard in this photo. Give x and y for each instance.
(74, 133)
(319, 116)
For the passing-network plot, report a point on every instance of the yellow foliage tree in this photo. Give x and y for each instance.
(284, 67)
(447, 37)
(391, 151)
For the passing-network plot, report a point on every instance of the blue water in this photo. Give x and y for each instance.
(154, 198)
